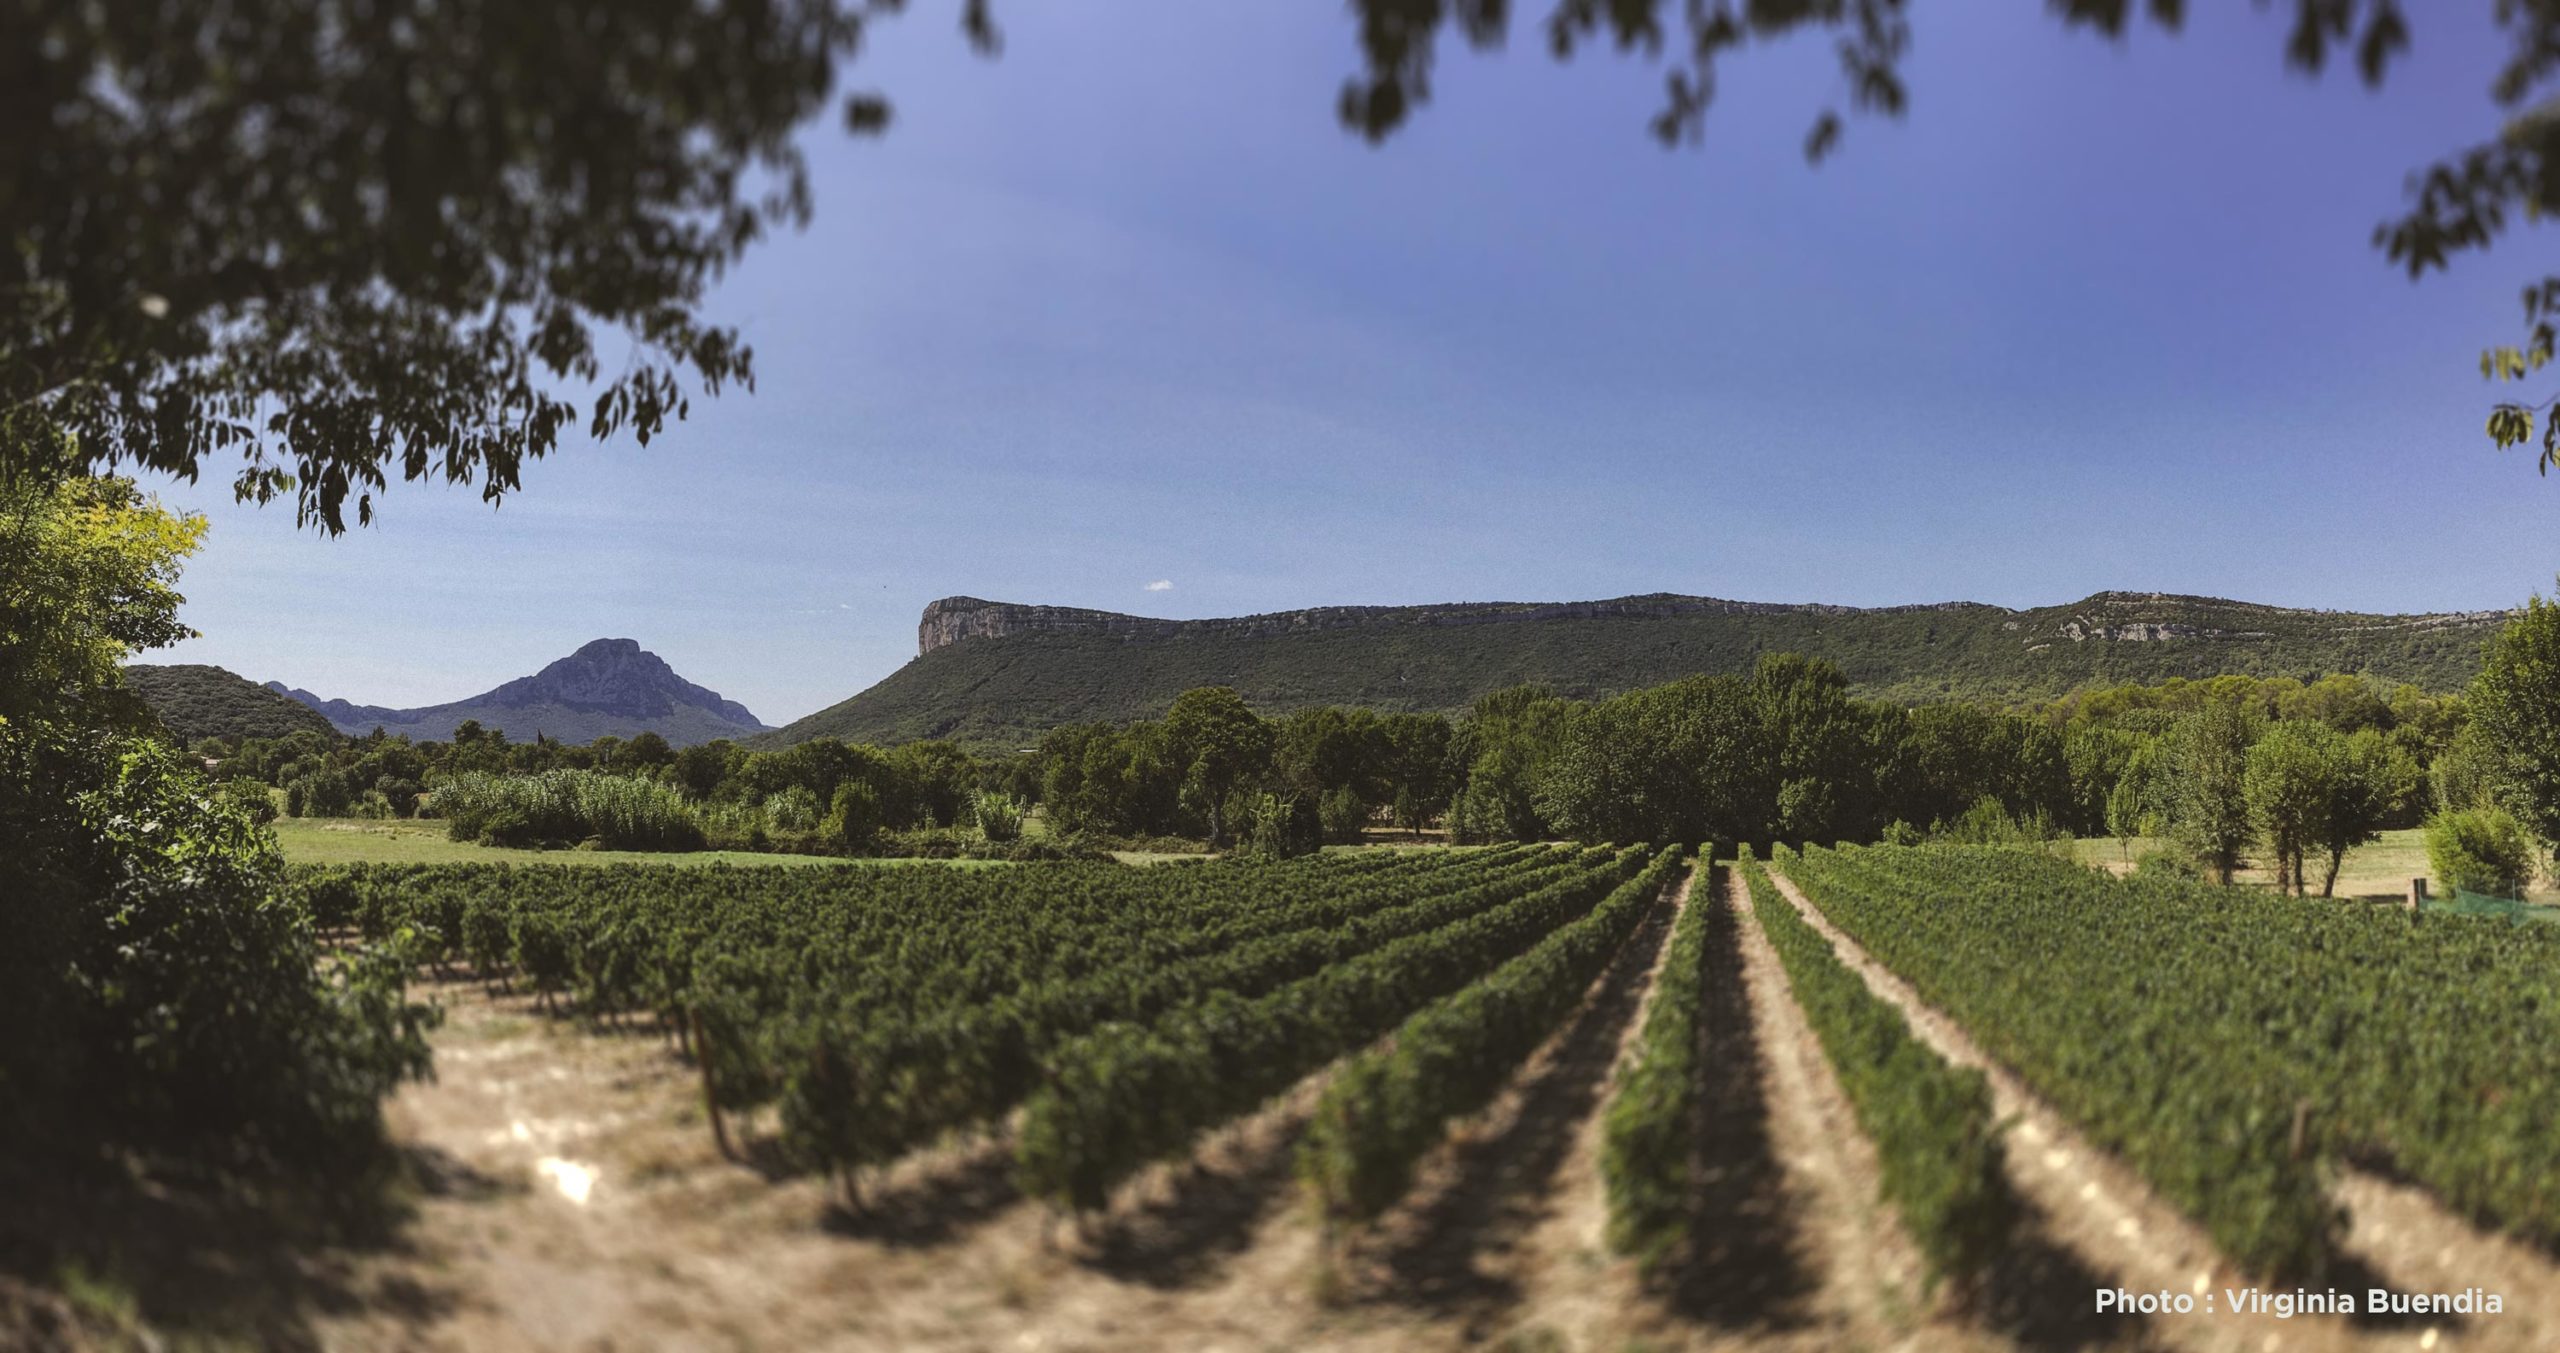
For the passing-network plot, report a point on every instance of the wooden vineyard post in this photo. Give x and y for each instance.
(2417, 895)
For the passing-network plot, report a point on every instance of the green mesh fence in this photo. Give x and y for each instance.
(2464, 903)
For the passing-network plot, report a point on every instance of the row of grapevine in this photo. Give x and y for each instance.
(864, 1091)
(1127, 1095)
(2225, 1042)
(887, 1006)
(1937, 1140)
(1385, 1110)
(1648, 1150)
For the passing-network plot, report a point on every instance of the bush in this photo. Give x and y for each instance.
(1901, 833)
(853, 820)
(922, 843)
(627, 813)
(251, 799)
(182, 990)
(999, 816)
(323, 794)
(1342, 815)
(793, 810)
(1988, 823)
(2168, 862)
(1277, 827)
(2480, 850)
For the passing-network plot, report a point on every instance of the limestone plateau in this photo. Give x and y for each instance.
(998, 674)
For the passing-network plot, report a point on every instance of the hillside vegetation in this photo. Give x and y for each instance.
(197, 701)
(608, 688)
(993, 675)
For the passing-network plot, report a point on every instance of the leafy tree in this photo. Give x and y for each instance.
(700, 768)
(160, 991)
(934, 780)
(1418, 770)
(2479, 850)
(343, 241)
(2210, 805)
(1682, 762)
(2140, 803)
(2515, 702)
(1274, 826)
(2095, 759)
(647, 750)
(854, 818)
(1343, 816)
(792, 808)
(88, 575)
(1219, 743)
(2374, 782)
(2468, 774)
(2291, 780)
(1813, 735)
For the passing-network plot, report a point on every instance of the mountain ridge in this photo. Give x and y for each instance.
(995, 673)
(607, 687)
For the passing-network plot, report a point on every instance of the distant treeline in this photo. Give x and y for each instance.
(1785, 754)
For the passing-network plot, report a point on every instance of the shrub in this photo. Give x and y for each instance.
(1901, 833)
(999, 816)
(2480, 850)
(1277, 827)
(1342, 815)
(2168, 862)
(251, 799)
(567, 805)
(183, 992)
(853, 820)
(1988, 823)
(793, 810)
(324, 794)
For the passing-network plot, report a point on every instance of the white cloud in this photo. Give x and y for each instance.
(1161, 585)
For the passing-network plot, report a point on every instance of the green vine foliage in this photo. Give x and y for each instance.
(2227, 1043)
(1937, 1140)
(1126, 1095)
(1648, 1144)
(1389, 1107)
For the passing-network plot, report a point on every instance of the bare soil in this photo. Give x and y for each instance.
(567, 1195)
(2098, 1216)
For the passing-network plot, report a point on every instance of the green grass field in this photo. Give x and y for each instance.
(2378, 872)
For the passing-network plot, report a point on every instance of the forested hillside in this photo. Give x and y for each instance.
(998, 675)
(197, 701)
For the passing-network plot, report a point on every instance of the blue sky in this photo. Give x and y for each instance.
(1108, 312)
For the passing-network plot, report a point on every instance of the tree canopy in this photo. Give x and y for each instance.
(2461, 202)
(345, 240)
(342, 241)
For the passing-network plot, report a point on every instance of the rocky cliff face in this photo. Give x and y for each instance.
(618, 677)
(953, 619)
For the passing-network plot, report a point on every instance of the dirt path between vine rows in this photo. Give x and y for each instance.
(574, 1200)
(1851, 1277)
(2098, 1211)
